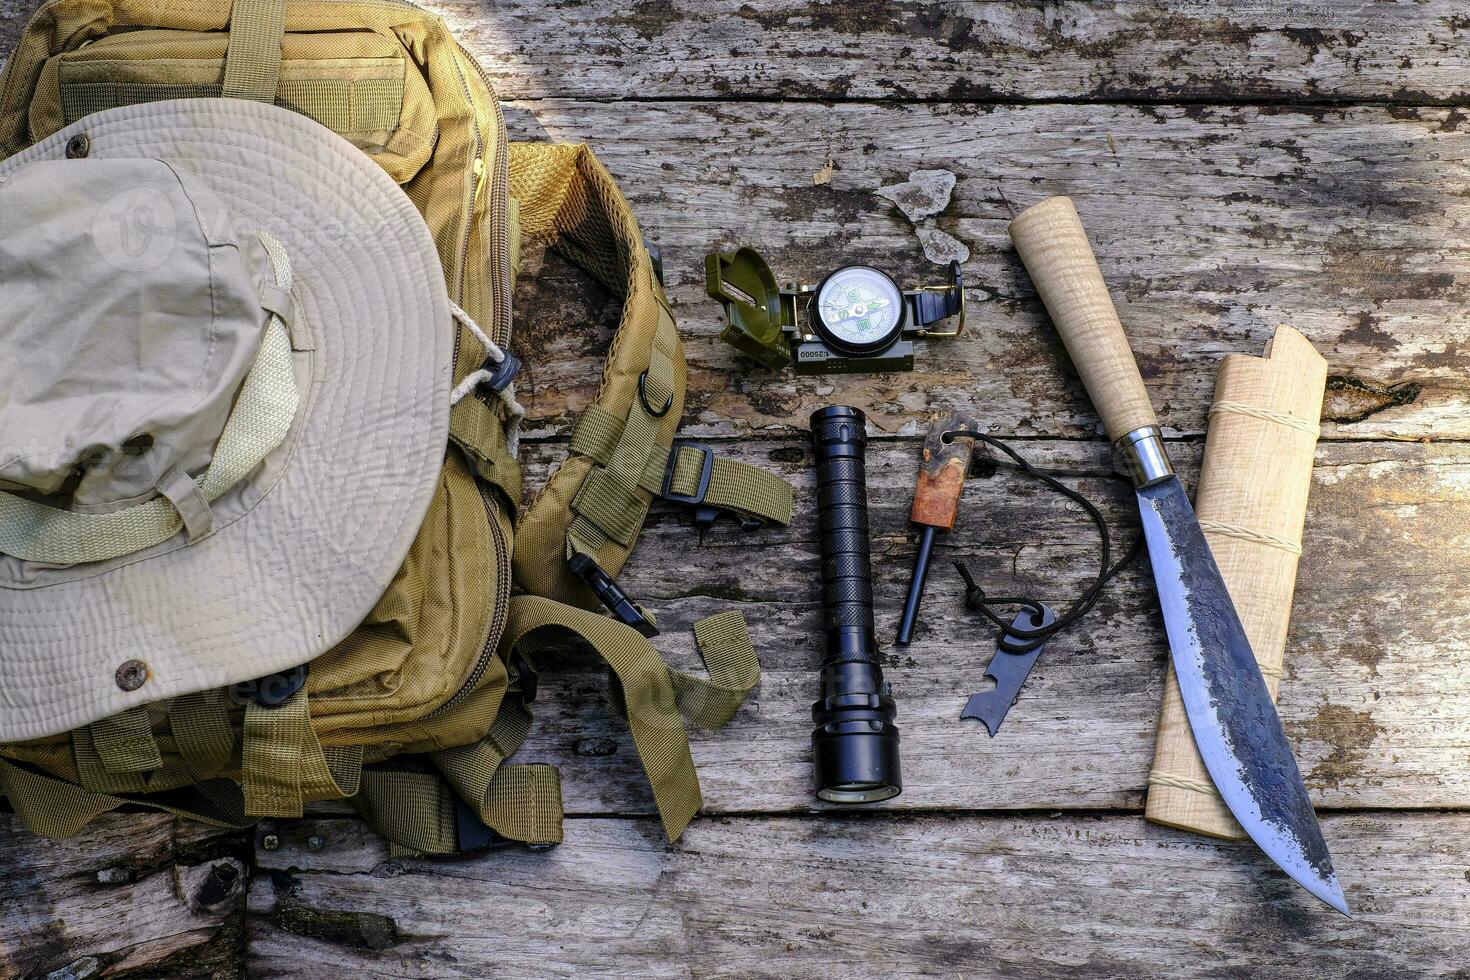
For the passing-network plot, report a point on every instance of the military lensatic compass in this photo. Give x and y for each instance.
(856, 319)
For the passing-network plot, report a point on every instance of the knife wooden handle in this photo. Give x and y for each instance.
(1053, 247)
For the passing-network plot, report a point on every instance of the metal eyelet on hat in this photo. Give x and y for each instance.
(78, 146)
(138, 444)
(132, 674)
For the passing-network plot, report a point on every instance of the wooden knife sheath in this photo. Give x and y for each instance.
(1252, 505)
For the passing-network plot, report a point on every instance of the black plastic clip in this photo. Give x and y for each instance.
(472, 835)
(501, 374)
(608, 593)
(525, 676)
(656, 259)
(272, 690)
(704, 515)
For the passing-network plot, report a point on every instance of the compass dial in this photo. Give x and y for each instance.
(858, 309)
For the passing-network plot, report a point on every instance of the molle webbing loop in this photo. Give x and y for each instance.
(203, 733)
(124, 742)
(253, 60)
(653, 695)
(284, 765)
(475, 425)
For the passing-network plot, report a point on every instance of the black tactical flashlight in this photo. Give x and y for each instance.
(855, 743)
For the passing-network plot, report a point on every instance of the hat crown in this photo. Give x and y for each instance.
(130, 313)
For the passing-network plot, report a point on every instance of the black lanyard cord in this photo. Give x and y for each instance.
(1013, 639)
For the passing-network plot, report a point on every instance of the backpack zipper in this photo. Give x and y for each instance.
(500, 610)
(500, 299)
(498, 217)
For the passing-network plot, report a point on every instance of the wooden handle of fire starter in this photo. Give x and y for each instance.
(1053, 247)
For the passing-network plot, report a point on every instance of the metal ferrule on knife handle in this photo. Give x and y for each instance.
(1142, 457)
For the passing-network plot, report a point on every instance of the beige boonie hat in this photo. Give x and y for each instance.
(226, 350)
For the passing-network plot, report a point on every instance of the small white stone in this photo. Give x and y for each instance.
(924, 194)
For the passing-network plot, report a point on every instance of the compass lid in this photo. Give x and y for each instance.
(743, 282)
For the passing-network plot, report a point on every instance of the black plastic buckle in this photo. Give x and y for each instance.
(656, 259)
(501, 374)
(608, 593)
(272, 690)
(471, 833)
(704, 516)
(525, 676)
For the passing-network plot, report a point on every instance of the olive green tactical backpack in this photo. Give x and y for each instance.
(413, 715)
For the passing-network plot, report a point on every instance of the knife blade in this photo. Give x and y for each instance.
(1225, 698)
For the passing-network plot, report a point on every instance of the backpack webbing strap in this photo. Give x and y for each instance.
(653, 696)
(283, 765)
(124, 742)
(202, 732)
(734, 671)
(253, 59)
(419, 811)
(521, 802)
(610, 506)
(56, 809)
(739, 488)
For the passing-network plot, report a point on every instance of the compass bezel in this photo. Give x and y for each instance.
(830, 336)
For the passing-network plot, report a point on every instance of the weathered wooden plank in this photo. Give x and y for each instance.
(1131, 51)
(1211, 51)
(953, 896)
(135, 894)
(1374, 696)
(1212, 225)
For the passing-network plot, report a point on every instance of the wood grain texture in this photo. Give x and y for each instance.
(1037, 897)
(136, 893)
(1374, 695)
(1052, 245)
(1136, 51)
(1240, 165)
(1211, 226)
(1213, 51)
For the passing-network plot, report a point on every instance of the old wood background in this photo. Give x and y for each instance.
(1239, 165)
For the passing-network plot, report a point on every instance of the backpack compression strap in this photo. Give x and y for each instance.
(653, 696)
(623, 453)
(424, 813)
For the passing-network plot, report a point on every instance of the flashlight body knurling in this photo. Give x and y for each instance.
(855, 742)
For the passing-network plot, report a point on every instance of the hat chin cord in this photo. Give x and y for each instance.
(475, 379)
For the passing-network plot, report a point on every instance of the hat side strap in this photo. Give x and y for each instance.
(253, 58)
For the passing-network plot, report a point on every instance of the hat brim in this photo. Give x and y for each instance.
(309, 544)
